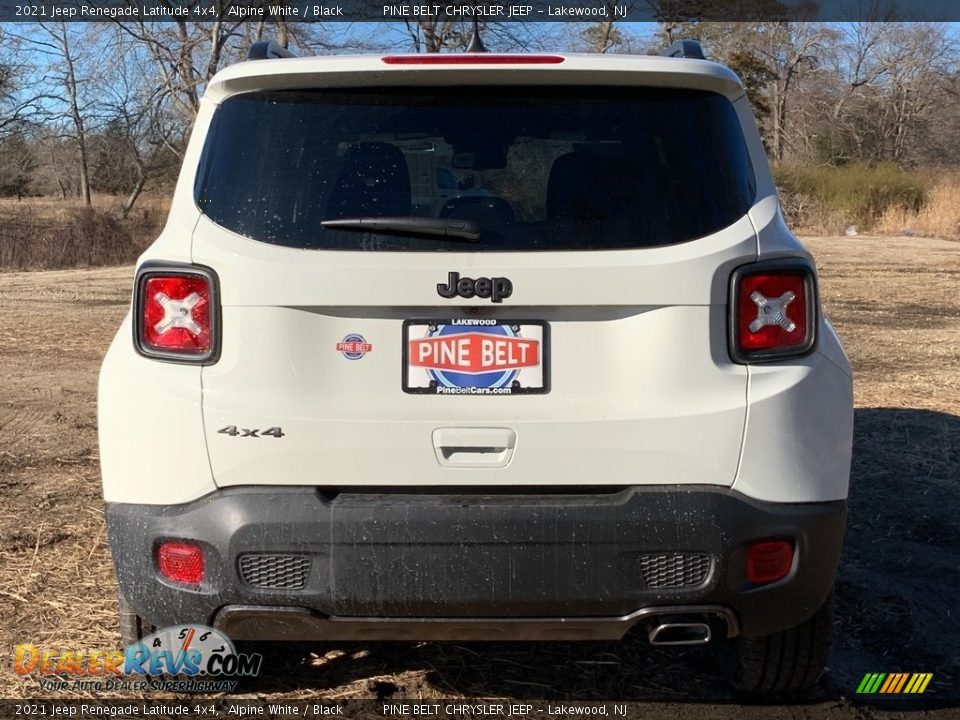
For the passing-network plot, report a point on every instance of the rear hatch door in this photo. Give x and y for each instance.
(579, 340)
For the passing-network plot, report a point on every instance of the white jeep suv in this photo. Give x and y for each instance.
(599, 398)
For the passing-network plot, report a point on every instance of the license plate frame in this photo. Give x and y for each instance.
(507, 338)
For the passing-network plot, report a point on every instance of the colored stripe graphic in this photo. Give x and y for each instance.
(894, 683)
(891, 680)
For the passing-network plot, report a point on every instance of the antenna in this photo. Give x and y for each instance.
(476, 44)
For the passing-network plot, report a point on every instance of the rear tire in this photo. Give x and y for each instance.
(133, 628)
(787, 662)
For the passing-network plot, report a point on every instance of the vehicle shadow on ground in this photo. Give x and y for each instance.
(899, 579)
(896, 608)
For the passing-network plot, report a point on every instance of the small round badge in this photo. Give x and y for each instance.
(354, 346)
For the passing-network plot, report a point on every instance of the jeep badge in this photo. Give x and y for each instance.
(496, 288)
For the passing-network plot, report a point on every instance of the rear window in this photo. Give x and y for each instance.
(521, 168)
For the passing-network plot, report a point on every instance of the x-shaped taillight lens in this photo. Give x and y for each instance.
(773, 313)
(176, 313)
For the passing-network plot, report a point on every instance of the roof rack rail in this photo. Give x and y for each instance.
(685, 49)
(268, 50)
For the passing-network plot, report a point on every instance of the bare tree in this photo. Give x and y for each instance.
(66, 75)
(889, 79)
(17, 163)
(137, 137)
(56, 157)
(184, 55)
(787, 50)
(22, 93)
(916, 81)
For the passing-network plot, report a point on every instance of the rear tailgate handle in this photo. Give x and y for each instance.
(474, 447)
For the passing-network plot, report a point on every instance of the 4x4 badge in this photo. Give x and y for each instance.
(496, 288)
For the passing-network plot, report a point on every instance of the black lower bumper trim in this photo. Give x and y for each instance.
(250, 622)
(416, 559)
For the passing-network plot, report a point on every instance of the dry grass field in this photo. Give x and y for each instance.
(896, 304)
(43, 233)
(53, 208)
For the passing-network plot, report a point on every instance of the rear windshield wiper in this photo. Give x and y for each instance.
(466, 230)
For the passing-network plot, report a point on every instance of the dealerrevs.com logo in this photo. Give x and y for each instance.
(187, 658)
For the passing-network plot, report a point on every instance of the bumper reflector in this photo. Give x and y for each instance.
(180, 562)
(769, 561)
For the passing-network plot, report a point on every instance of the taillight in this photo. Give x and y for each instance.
(769, 561)
(181, 562)
(175, 313)
(773, 311)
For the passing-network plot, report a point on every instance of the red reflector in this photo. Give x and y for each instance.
(471, 59)
(176, 314)
(180, 562)
(772, 311)
(769, 561)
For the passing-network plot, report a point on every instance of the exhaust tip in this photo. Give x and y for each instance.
(680, 633)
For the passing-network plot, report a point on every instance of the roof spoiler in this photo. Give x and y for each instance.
(268, 50)
(684, 49)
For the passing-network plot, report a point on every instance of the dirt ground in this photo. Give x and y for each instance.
(896, 304)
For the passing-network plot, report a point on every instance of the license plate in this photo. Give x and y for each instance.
(475, 356)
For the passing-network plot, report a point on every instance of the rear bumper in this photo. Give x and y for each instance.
(291, 563)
